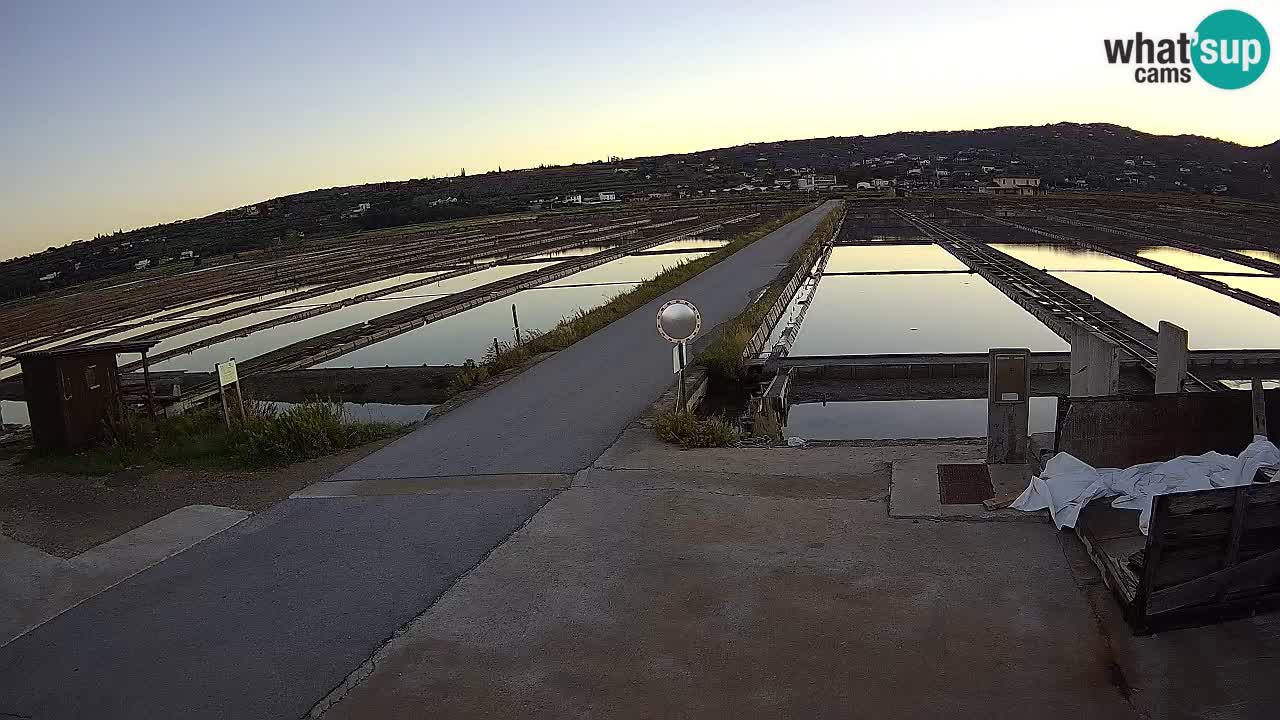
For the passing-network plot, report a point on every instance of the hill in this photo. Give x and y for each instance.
(1066, 155)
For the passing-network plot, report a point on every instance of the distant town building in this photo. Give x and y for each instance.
(608, 196)
(1014, 185)
(575, 199)
(358, 210)
(50, 277)
(142, 265)
(815, 182)
(187, 255)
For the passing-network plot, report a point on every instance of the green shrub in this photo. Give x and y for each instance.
(200, 438)
(305, 431)
(687, 430)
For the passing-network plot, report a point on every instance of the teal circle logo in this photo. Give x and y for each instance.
(1232, 49)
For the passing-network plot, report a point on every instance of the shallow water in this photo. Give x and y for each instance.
(1268, 255)
(905, 419)
(887, 258)
(1212, 320)
(362, 289)
(372, 412)
(455, 341)
(1054, 256)
(1194, 262)
(469, 335)
(916, 314)
(1268, 286)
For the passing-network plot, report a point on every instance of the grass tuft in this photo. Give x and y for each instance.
(690, 431)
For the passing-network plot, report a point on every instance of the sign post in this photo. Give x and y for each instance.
(678, 321)
(227, 376)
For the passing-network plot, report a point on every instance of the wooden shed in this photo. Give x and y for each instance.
(72, 392)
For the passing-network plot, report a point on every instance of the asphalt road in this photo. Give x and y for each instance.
(560, 415)
(264, 619)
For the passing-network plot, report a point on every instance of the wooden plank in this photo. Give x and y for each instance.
(1199, 526)
(1154, 552)
(1232, 554)
(1119, 578)
(1261, 570)
(1195, 501)
(1189, 562)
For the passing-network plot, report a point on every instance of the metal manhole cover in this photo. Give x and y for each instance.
(964, 484)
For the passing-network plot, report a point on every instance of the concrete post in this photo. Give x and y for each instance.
(1008, 404)
(1080, 361)
(1259, 408)
(1103, 372)
(1171, 358)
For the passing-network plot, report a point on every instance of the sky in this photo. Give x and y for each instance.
(116, 115)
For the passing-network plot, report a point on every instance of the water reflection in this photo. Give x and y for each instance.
(1194, 262)
(1268, 286)
(620, 275)
(631, 269)
(1055, 256)
(372, 412)
(688, 244)
(1268, 255)
(470, 334)
(1213, 321)
(887, 258)
(362, 289)
(916, 313)
(905, 419)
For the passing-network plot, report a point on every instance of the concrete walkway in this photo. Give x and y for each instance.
(561, 414)
(265, 619)
(774, 583)
(751, 584)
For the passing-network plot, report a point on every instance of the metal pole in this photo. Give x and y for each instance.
(516, 320)
(146, 379)
(680, 395)
(240, 396)
(495, 348)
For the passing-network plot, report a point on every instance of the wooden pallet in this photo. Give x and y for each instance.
(1210, 555)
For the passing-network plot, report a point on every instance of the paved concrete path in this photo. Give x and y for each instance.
(560, 415)
(781, 590)
(264, 619)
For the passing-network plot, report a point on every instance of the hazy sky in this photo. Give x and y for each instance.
(120, 114)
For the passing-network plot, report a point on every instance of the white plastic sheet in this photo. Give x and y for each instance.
(1068, 484)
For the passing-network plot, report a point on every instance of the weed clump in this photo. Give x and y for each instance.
(266, 437)
(687, 430)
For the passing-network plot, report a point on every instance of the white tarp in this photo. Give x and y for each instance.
(1068, 484)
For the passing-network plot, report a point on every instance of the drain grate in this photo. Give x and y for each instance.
(964, 484)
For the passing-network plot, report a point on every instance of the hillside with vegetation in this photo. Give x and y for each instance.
(1067, 156)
